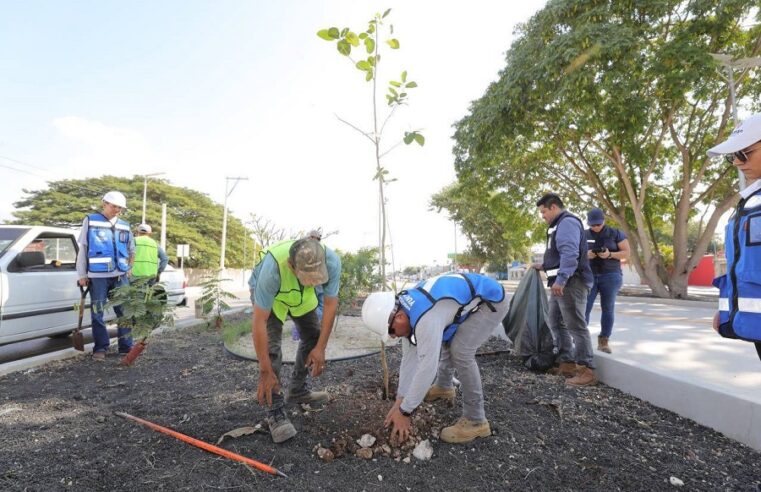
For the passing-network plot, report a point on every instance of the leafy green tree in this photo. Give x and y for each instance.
(494, 226)
(358, 276)
(192, 218)
(367, 60)
(614, 104)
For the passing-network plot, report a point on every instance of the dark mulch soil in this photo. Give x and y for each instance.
(59, 431)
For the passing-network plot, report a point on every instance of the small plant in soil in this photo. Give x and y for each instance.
(214, 298)
(144, 308)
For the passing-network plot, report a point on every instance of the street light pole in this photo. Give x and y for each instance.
(727, 62)
(224, 217)
(145, 190)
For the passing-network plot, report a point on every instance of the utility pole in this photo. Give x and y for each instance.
(727, 62)
(145, 190)
(224, 217)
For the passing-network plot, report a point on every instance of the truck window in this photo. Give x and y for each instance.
(59, 251)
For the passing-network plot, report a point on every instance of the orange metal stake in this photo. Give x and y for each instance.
(204, 445)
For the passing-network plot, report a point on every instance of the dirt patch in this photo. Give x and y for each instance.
(59, 431)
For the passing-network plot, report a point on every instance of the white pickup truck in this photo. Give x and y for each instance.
(38, 283)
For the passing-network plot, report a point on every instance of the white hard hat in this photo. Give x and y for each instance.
(144, 228)
(116, 197)
(375, 312)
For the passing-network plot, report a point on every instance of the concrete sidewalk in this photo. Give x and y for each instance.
(665, 352)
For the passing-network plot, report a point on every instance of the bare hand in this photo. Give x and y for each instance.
(591, 255)
(394, 409)
(316, 360)
(401, 426)
(557, 290)
(537, 266)
(83, 282)
(716, 322)
(267, 384)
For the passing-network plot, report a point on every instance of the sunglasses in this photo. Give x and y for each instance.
(741, 155)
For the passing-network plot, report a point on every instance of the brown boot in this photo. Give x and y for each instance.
(585, 377)
(602, 345)
(465, 431)
(566, 369)
(439, 393)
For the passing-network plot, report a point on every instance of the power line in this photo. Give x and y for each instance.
(22, 163)
(20, 170)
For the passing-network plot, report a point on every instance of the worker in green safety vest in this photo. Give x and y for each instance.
(283, 284)
(150, 258)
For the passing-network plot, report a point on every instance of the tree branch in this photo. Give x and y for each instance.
(363, 133)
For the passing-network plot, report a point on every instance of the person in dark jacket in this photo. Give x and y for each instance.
(569, 278)
(606, 247)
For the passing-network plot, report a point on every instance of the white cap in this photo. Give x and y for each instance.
(376, 310)
(742, 137)
(116, 197)
(144, 228)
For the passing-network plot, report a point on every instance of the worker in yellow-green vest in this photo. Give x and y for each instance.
(150, 258)
(283, 284)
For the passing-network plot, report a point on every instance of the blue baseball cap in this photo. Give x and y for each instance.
(595, 217)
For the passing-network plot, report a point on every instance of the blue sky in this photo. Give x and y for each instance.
(201, 90)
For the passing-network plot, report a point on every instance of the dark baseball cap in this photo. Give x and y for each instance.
(307, 258)
(595, 217)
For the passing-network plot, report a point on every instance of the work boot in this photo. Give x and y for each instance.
(566, 369)
(307, 397)
(281, 429)
(585, 377)
(602, 345)
(439, 393)
(99, 356)
(465, 430)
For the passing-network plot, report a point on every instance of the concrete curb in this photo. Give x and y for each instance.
(735, 417)
(68, 353)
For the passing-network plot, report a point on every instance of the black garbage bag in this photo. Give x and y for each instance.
(526, 326)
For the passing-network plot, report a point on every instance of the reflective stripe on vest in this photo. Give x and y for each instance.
(740, 288)
(293, 297)
(107, 245)
(469, 290)
(146, 257)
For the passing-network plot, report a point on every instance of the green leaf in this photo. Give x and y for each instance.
(411, 85)
(369, 75)
(419, 139)
(343, 47)
(344, 31)
(325, 34)
(352, 38)
(395, 83)
(388, 11)
(404, 76)
(403, 94)
(334, 33)
(371, 60)
(408, 137)
(393, 43)
(393, 91)
(362, 35)
(363, 65)
(369, 45)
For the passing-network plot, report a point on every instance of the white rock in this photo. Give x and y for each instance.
(423, 451)
(676, 482)
(380, 478)
(366, 440)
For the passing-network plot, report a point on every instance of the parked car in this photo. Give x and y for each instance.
(174, 282)
(38, 283)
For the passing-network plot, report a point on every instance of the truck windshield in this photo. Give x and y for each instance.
(8, 235)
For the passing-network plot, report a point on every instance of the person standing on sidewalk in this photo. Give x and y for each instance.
(606, 247)
(282, 284)
(104, 262)
(569, 278)
(442, 321)
(150, 258)
(739, 314)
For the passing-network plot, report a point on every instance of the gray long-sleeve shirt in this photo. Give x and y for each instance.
(420, 363)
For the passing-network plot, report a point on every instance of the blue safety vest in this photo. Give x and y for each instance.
(740, 288)
(469, 290)
(107, 244)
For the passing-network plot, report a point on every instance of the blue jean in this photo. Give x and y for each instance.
(99, 290)
(608, 285)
